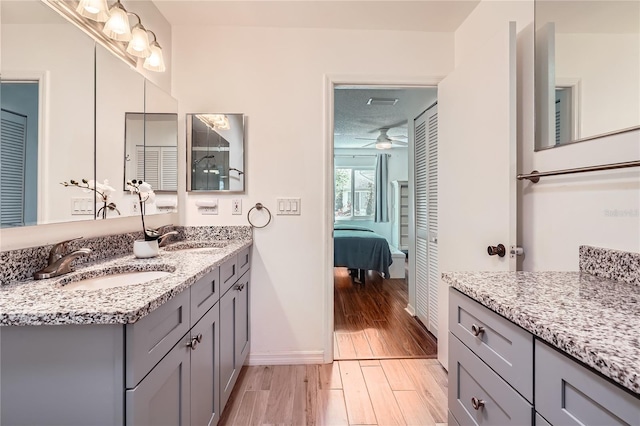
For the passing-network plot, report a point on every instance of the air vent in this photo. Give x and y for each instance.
(382, 101)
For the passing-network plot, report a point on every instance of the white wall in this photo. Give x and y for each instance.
(276, 77)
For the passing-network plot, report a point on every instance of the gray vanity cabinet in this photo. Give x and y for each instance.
(205, 370)
(163, 397)
(569, 394)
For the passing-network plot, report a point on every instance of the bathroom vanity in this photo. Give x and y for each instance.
(543, 348)
(167, 351)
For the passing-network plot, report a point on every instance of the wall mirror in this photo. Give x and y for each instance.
(587, 70)
(151, 148)
(215, 152)
(47, 98)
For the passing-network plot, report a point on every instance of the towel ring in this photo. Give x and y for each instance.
(258, 206)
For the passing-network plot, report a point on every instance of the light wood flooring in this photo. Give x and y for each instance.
(370, 321)
(368, 392)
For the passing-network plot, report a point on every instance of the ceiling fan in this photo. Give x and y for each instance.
(383, 141)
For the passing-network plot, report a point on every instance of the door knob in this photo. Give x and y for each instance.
(500, 250)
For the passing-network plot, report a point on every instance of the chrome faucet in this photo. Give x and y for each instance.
(60, 263)
(162, 239)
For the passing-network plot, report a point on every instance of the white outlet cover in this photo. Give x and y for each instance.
(236, 206)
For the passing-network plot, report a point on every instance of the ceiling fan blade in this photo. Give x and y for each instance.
(369, 144)
(389, 126)
(367, 139)
(401, 143)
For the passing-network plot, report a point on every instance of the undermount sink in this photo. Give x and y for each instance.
(112, 279)
(196, 246)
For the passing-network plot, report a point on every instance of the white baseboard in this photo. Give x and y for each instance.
(411, 310)
(286, 358)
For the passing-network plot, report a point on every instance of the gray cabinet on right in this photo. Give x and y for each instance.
(568, 394)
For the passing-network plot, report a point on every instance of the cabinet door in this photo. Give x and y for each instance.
(228, 367)
(478, 396)
(569, 394)
(205, 370)
(242, 319)
(162, 398)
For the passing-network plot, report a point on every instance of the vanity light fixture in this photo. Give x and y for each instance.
(215, 121)
(139, 44)
(155, 61)
(97, 10)
(117, 26)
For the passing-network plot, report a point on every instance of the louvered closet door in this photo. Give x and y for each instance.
(425, 164)
(432, 217)
(13, 139)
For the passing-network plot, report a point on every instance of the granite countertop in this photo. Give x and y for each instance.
(595, 320)
(43, 302)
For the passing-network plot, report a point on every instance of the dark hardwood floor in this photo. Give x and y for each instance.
(371, 322)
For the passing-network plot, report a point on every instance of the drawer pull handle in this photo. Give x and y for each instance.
(194, 342)
(240, 287)
(477, 403)
(477, 330)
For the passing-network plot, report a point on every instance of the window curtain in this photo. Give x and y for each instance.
(382, 173)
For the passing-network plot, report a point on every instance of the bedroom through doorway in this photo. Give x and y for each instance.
(374, 223)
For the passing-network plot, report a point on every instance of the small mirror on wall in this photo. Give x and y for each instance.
(215, 152)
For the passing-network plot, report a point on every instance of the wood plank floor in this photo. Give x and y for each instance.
(370, 321)
(368, 392)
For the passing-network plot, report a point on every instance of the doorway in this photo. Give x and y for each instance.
(373, 313)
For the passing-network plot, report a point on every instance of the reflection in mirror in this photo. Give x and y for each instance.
(215, 152)
(151, 148)
(47, 100)
(587, 69)
(119, 89)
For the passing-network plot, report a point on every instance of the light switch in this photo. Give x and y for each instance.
(288, 206)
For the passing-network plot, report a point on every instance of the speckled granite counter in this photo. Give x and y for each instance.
(595, 320)
(45, 303)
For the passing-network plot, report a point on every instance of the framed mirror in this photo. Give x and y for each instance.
(215, 152)
(587, 70)
(47, 97)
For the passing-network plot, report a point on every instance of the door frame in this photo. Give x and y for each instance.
(42, 78)
(353, 81)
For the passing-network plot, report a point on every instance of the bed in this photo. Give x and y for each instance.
(360, 249)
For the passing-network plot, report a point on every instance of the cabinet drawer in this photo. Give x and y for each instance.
(504, 346)
(204, 294)
(149, 339)
(568, 393)
(228, 274)
(244, 261)
(470, 378)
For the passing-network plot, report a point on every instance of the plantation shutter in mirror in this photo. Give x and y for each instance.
(169, 169)
(152, 167)
(12, 164)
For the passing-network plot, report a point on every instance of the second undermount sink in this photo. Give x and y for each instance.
(112, 279)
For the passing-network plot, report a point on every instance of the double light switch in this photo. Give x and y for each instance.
(288, 206)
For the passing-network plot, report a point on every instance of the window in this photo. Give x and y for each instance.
(354, 193)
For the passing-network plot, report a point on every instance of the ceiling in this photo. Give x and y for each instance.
(354, 118)
(417, 15)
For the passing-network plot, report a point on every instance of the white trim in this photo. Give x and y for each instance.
(349, 81)
(410, 310)
(286, 358)
(575, 84)
(42, 77)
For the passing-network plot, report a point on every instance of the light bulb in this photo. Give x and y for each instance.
(97, 10)
(155, 61)
(117, 27)
(383, 145)
(139, 43)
